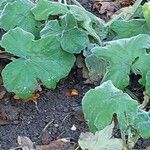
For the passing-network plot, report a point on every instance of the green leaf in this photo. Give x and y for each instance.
(100, 141)
(18, 14)
(41, 59)
(123, 56)
(126, 29)
(142, 123)
(101, 103)
(88, 21)
(146, 12)
(72, 39)
(148, 83)
(45, 8)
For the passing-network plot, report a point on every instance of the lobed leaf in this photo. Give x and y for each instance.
(101, 103)
(41, 59)
(72, 39)
(125, 55)
(18, 14)
(45, 8)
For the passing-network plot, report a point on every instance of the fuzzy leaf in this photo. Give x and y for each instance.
(124, 54)
(18, 14)
(45, 8)
(126, 29)
(101, 103)
(41, 59)
(100, 141)
(146, 12)
(142, 123)
(72, 39)
(88, 21)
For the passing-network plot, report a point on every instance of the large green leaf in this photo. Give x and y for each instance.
(126, 29)
(123, 56)
(18, 14)
(45, 8)
(72, 39)
(101, 103)
(41, 59)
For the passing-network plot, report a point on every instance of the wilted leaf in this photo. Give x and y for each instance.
(25, 143)
(123, 56)
(102, 140)
(41, 59)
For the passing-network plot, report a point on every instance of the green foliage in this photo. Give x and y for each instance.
(72, 39)
(41, 59)
(101, 103)
(124, 56)
(18, 14)
(45, 8)
(97, 101)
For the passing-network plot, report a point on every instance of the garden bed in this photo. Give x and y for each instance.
(55, 114)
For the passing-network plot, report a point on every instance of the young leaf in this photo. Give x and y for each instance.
(101, 140)
(126, 29)
(41, 59)
(45, 8)
(18, 14)
(124, 55)
(101, 103)
(72, 39)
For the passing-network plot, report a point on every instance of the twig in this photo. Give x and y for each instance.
(45, 128)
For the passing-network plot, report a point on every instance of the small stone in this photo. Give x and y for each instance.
(73, 128)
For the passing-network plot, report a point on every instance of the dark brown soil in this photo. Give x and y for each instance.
(52, 105)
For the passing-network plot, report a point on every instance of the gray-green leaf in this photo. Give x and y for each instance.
(41, 59)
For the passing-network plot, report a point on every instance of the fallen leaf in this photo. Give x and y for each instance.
(25, 142)
(101, 140)
(72, 92)
(108, 8)
(56, 145)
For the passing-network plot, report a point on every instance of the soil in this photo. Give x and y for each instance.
(65, 111)
(54, 107)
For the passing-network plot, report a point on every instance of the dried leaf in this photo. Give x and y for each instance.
(106, 7)
(25, 143)
(56, 145)
(72, 92)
